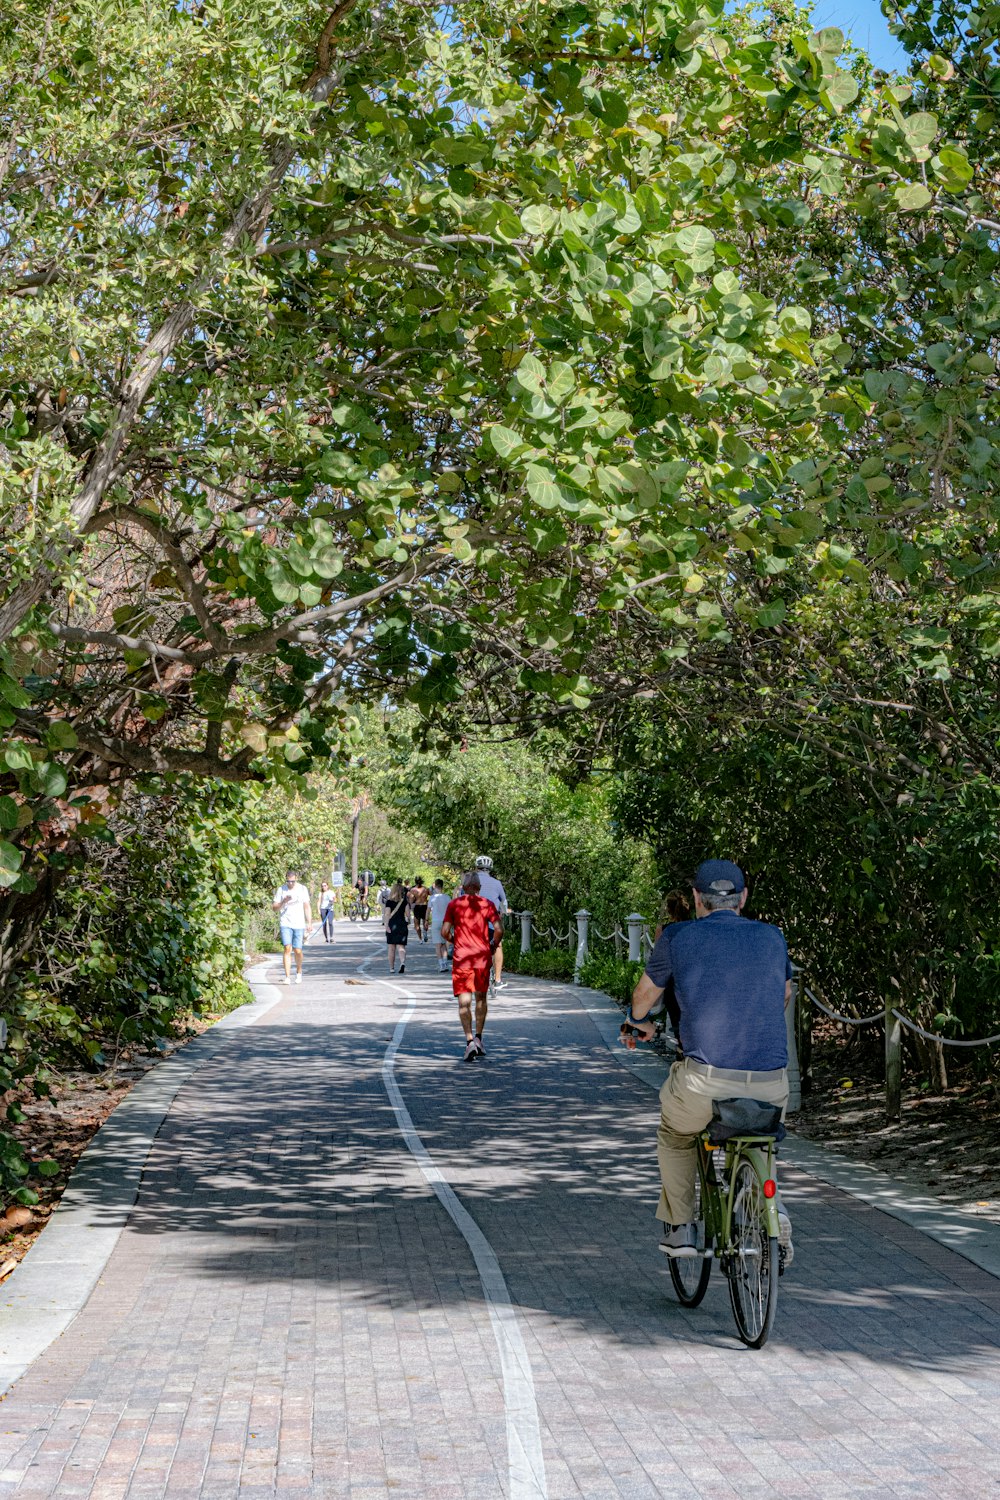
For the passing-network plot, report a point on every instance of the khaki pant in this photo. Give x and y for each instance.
(685, 1110)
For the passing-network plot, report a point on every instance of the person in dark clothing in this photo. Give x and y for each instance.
(397, 928)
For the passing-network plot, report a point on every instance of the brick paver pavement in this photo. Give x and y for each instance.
(291, 1313)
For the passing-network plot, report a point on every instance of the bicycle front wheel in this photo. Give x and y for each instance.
(688, 1274)
(752, 1259)
(365, 913)
(352, 912)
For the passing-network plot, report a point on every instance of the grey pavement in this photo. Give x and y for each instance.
(289, 1311)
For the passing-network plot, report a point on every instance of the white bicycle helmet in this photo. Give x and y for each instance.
(483, 862)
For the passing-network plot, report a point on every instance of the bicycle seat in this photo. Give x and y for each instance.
(744, 1117)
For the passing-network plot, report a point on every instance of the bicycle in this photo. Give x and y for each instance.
(357, 907)
(736, 1213)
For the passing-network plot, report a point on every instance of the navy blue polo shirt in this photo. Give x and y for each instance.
(729, 976)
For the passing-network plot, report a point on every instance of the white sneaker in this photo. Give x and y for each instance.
(785, 1245)
(286, 980)
(298, 977)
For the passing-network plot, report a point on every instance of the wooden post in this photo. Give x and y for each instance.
(794, 1077)
(893, 1064)
(582, 942)
(526, 932)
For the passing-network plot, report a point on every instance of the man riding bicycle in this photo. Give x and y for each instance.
(733, 980)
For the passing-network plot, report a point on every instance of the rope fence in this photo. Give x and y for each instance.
(633, 938)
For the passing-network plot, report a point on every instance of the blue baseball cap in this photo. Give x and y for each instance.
(719, 877)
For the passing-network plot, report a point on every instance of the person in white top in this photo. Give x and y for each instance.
(327, 910)
(436, 908)
(291, 902)
(492, 890)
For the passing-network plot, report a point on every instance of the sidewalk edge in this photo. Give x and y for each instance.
(41, 1298)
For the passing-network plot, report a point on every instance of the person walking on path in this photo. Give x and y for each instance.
(437, 906)
(291, 902)
(733, 980)
(396, 928)
(468, 920)
(492, 889)
(420, 896)
(327, 910)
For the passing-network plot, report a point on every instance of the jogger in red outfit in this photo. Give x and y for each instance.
(475, 926)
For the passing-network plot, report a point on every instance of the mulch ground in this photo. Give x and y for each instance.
(60, 1127)
(947, 1144)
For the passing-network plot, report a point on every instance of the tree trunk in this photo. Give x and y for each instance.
(355, 835)
(20, 918)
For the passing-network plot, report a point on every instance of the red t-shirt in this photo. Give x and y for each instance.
(470, 916)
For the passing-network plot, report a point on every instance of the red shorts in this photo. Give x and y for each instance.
(471, 981)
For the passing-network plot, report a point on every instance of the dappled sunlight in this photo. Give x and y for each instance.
(281, 1162)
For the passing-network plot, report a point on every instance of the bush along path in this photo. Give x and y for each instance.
(290, 1311)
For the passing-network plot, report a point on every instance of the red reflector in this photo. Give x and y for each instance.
(770, 1188)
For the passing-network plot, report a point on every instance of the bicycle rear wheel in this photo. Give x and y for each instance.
(365, 912)
(752, 1260)
(688, 1274)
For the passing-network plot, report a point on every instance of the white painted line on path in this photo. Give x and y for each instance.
(526, 1463)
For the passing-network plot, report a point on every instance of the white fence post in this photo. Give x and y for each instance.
(635, 925)
(794, 1076)
(582, 943)
(526, 932)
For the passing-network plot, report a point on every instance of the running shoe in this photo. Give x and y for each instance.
(786, 1249)
(679, 1240)
(480, 1049)
(298, 977)
(471, 1050)
(287, 979)
(402, 968)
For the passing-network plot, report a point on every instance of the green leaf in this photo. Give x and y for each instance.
(505, 441)
(614, 108)
(47, 1168)
(11, 859)
(696, 241)
(13, 693)
(830, 40)
(839, 91)
(543, 488)
(560, 383)
(538, 218)
(912, 196)
(772, 614)
(8, 812)
(60, 735)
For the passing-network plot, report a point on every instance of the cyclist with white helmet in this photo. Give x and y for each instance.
(492, 889)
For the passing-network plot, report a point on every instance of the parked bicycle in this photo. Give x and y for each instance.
(736, 1209)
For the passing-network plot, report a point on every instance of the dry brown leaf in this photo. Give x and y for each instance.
(6, 1268)
(17, 1216)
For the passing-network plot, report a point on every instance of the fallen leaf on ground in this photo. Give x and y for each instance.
(16, 1216)
(6, 1268)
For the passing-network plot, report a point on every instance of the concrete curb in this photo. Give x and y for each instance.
(977, 1240)
(51, 1285)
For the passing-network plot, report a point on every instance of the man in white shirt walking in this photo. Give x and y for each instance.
(491, 889)
(436, 908)
(291, 902)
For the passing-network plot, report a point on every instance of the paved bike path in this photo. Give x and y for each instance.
(290, 1310)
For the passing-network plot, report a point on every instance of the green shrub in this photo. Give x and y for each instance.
(617, 977)
(543, 963)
